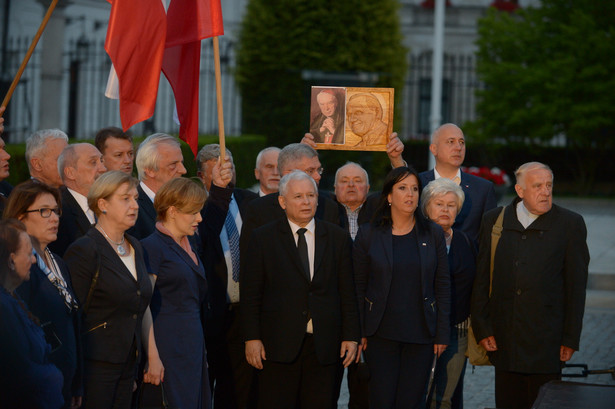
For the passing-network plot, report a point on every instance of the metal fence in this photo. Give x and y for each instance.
(85, 109)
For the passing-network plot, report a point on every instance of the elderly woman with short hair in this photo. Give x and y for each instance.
(441, 201)
(111, 283)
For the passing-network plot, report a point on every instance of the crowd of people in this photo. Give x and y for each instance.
(113, 288)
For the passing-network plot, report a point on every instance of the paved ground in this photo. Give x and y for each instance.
(598, 337)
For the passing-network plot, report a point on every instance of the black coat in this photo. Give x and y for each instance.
(113, 320)
(73, 223)
(277, 298)
(538, 296)
(373, 255)
(146, 221)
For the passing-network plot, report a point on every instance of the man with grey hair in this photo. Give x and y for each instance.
(159, 159)
(528, 311)
(227, 365)
(43, 148)
(79, 165)
(304, 266)
(266, 170)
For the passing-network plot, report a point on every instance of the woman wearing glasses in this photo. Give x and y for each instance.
(49, 293)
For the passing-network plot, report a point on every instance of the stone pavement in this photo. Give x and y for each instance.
(598, 336)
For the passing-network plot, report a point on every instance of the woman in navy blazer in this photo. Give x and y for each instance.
(441, 201)
(49, 293)
(111, 283)
(403, 288)
(180, 290)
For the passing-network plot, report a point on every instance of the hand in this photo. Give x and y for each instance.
(154, 371)
(565, 353)
(362, 347)
(328, 124)
(438, 349)
(75, 402)
(395, 148)
(489, 344)
(222, 172)
(349, 348)
(255, 353)
(308, 139)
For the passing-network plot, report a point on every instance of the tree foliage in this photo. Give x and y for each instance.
(281, 38)
(548, 71)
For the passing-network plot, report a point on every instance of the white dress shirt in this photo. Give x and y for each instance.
(82, 201)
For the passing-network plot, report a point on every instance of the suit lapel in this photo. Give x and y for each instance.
(320, 244)
(108, 254)
(181, 253)
(145, 204)
(80, 218)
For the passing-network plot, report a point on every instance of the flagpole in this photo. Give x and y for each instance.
(41, 28)
(219, 99)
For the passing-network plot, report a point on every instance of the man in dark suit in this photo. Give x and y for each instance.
(448, 146)
(229, 373)
(328, 125)
(528, 316)
(159, 159)
(79, 165)
(299, 309)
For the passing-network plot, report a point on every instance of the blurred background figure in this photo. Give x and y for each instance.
(49, 293)
(403, 289)
(266, 170)
(43, 148)
(441, 200)
(27, 378)
(116, 147)
(111, 283)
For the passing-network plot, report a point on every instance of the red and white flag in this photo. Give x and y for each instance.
(178, 34)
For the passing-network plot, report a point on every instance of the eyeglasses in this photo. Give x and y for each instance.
(46, 211)
(317, 170)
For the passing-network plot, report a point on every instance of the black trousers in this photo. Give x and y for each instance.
(303, 383)
(109, 386)
(399, 373)
(233, 380)
(515, 390)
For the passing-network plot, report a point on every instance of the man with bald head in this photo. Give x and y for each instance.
(43, 149)
(528, 312)
(448, 146)
(79, 166)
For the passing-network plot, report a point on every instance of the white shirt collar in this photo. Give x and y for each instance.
(149, 192)
(525, 216)
(437, 176)
(82, 201)
(311, 226)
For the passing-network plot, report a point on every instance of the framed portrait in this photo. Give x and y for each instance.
(351, 118)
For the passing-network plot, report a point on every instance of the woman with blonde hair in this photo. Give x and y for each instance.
(111, 283)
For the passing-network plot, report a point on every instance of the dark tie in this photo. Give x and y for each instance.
(233, 243)
(303, 252)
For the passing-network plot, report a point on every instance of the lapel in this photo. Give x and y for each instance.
(289, 247)
(181, 253)
(320, 244)
(111, 259)
(80, 218)
(423, 244)
(466, 186)
(145, 204)
(386, 239)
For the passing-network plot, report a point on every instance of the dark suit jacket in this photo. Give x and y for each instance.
(146, 221)
(46, 303)
(538, 297)
(73, 223)
(338, 119)
(214, 216)
(277, 298)
(365, 213)
(373, 256)
(480, 197)
(113, 320)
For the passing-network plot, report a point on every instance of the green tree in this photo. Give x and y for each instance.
(548, 72)
(281, 38)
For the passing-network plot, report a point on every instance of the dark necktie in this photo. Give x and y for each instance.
(303, 252)
(233, 243)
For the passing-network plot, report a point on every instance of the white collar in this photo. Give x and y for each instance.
(82, 201)
(437, 176)
(311, 226)
(149, 192)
